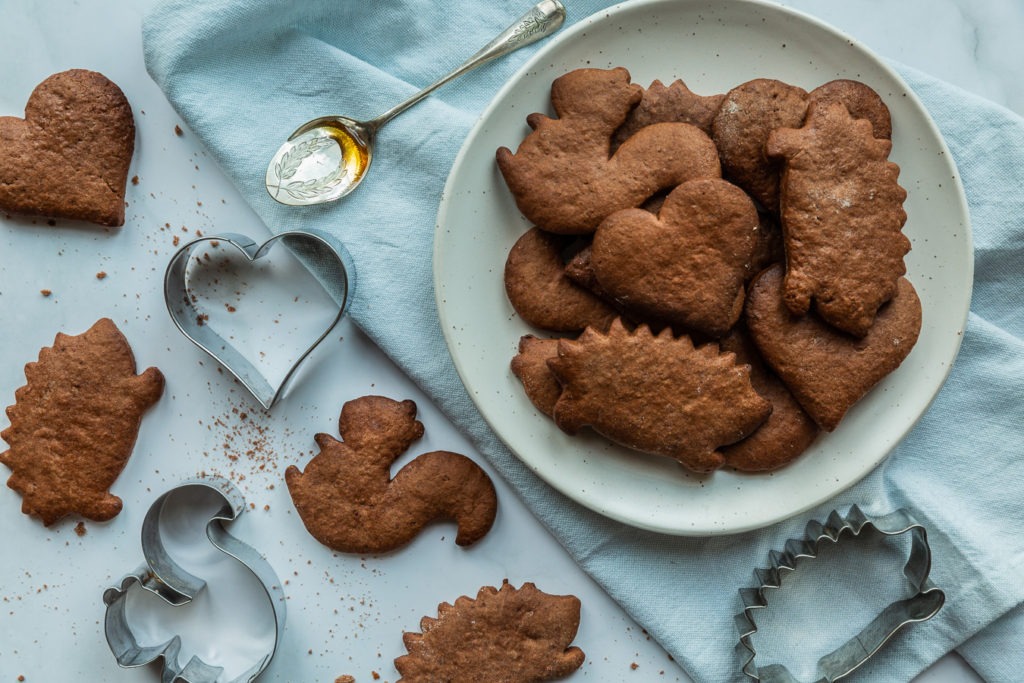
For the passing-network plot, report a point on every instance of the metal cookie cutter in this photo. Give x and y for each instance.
(330, 263)
(161, 575)
(921, 606)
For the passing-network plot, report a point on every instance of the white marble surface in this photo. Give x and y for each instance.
(346, 613)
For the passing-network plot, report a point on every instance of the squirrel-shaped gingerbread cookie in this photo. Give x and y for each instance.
(349, 502)
(564, 177)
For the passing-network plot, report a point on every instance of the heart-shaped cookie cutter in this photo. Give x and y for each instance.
(331, 265)
(923, 604)
(161, 575)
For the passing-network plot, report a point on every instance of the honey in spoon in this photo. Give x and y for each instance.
(319, 164)
(326, 158)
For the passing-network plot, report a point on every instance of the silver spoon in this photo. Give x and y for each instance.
(326, 158)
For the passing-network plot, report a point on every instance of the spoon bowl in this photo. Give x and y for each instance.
(323, 160)
(327, 158)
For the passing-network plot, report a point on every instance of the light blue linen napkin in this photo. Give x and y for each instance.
(243, 73)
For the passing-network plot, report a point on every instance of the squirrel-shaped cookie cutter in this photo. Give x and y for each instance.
(161, 575)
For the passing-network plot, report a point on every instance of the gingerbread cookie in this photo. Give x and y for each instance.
(563, 177)
(530, 366)
(657, 394)
(74, 424)
(69, 156)
(828, 371)
(580, 269)
(787, 432)
(674, 103)
(685, 266)
(842, 217)
(860, 100)
(748, 114)
(542, 294)
(505, 635)
(349, 502)
(768, 247)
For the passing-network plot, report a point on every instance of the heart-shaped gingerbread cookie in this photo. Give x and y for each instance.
(686, 265)
(827, 370)
(541, 292)
(69, 156)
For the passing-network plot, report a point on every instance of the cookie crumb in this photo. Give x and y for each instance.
(46, 292)
(80, 529)
(100, 275)
(634, 666)
(178, 131)
(345, 679)
(135, 180)
(376, 676)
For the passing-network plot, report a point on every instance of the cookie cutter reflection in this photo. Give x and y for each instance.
(163, 576)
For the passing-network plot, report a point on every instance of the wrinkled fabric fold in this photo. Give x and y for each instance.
(244, 73)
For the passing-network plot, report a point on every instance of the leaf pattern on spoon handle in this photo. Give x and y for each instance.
(529, 26)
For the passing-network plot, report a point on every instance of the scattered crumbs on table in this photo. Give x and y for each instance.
(46, 292)
(101, 275)
(135, 180)
(178, 131)
(80, 529)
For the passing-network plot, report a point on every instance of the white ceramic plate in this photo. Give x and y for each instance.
(712, 45)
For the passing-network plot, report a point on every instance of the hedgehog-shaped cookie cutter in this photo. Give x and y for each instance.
(924, 603)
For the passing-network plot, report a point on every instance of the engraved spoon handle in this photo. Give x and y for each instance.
(542, 20)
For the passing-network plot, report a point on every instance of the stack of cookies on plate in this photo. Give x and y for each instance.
(723, 275)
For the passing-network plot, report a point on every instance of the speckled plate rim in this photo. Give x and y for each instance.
(712, 45)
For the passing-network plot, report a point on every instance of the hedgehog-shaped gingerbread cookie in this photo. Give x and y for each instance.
(75, 422)
(501, 636)
(656, 394)
(842, 217)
